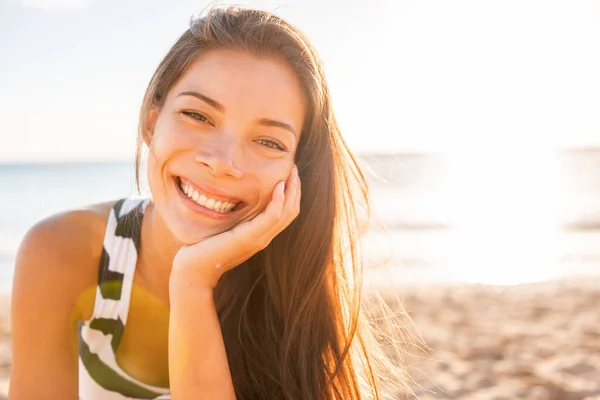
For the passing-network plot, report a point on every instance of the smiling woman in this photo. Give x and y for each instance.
(239, 277)
(227, 132)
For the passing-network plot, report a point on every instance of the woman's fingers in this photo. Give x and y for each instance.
(291, 193)
(233, 247)
(280, 212)
(275, 206)
(292, 199)
(289, 211)
(255, 234)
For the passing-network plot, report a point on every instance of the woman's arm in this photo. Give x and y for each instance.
(198, 367)
(50, 274)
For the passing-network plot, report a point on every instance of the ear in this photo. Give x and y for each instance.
(148, 133)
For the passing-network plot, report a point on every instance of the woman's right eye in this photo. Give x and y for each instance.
(197, 116)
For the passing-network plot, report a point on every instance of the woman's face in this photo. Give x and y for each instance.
(226, 134)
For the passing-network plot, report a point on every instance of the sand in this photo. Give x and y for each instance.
(5, 343)
(530, 342)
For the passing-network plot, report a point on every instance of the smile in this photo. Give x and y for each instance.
(216, 203)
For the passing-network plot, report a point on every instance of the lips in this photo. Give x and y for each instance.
(219, 203)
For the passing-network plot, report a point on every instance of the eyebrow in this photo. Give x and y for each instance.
(213, 103)
(218, 106)
(277, 124)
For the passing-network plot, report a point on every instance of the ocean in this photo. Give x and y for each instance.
(485, 218)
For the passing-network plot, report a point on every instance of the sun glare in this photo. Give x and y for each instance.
(505, 207)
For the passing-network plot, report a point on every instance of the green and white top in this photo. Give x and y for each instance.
(100, 377)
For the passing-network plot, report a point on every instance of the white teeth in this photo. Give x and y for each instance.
(216, 205)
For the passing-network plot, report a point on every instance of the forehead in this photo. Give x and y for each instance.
(244, 83)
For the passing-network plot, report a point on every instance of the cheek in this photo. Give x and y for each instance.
(168, 141)
(165, 141)
(154, 176)
(171, 133)
(268, 174)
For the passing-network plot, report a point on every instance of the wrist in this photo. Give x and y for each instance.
(182, 295)
(184, 283)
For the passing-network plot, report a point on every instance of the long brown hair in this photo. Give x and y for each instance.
(291, 316)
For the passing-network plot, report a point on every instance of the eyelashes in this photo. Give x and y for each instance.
(197, 116)
(268, 143)
(271, 144)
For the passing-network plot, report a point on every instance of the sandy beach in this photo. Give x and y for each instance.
(530, 342)
(5, 343)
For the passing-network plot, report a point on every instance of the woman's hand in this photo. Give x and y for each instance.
(198, 364)
(203, 263)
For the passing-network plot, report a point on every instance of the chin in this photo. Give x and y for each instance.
(189, 232)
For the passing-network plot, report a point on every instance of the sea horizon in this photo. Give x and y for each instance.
(432, 221)
(592, 149)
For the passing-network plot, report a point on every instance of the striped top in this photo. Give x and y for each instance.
(100, 377)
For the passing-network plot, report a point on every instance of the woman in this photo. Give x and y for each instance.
(238, 277)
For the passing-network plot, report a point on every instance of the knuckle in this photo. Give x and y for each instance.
(275, 215)
(264, 242)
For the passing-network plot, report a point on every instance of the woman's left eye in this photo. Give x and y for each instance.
(270, 144)
(197, 116)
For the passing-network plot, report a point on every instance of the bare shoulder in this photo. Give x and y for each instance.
(63, 251)
(54, 287)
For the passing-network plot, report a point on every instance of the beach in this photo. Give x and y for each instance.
(528, 341)
(538, 341)
(5, 345)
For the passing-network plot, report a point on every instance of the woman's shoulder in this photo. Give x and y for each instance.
(71, 233)
(63, 251)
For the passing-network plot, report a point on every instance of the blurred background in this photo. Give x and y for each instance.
(477, 124)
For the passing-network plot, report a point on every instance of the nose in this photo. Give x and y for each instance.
(219, 156)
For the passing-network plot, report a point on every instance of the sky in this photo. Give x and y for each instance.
(416, 76)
